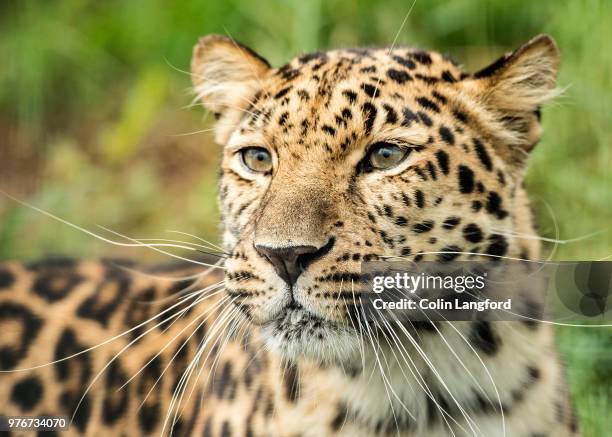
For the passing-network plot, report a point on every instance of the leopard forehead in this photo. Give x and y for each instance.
(333, 99)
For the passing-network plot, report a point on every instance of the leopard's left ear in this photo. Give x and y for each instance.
(515, 86)
(226, 75)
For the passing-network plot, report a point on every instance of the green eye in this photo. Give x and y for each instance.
(385, 155)
(256, 159)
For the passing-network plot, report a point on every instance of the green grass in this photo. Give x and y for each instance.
(93, 97)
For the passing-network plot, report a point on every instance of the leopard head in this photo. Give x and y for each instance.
(346, 156)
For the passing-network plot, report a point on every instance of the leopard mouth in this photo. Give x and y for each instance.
(298, 333)
(296, 321)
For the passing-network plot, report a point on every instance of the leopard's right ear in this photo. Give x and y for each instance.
(226, 75)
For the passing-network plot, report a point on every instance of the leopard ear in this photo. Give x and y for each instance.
(226, 76)
(515, 86)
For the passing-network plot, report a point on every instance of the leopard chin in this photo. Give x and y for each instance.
(299, 334)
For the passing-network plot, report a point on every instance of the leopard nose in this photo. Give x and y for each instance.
(290, 261)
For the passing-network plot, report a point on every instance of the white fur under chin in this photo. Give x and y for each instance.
(296, 335)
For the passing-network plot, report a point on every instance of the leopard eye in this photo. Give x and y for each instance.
(386, 155)
(256, 159)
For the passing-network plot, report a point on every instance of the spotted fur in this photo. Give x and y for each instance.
(296, 362)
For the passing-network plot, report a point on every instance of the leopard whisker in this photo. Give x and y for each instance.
(195, 132)
(197, 246)
(155, 247)
(451, 252)
(212, 245)
(429, 364)
(162, 277)
(547, 239)
(93, 381)
(223, 301)
(99, 237)
(465, 367)
(179, 391)
(392, 46)
(416, 376)
(427, 361)
(450, 347)
(380, 329)
(168, 344)
(386, 383)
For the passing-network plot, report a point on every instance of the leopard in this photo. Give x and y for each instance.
(335, 159)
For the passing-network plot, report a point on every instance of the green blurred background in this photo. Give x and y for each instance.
(98, 126)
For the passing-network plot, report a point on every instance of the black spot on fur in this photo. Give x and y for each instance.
(101, 305)
(10, 354)
(340, 417)
(329, 130)
(369, 112)
(401, 221)
(432, 170)
(351, 96)
(370, 90)
(150, 412)
(442, 158)
(27, 393)
(303, 94)
(223, 380)
(419, 198)
(116, 400)
(428, 104)
(466, 179)
(428, 79)
(391, 114)
(282, 92)
(482, 154)
(66, 346)
(483, 337)
(460, 115)
(398, 75)
(406, 62)
(448, 77)
(409, 117)
(498, 246)
(283, 118)
(451, 222)
(55, 284)
(74, 374)
(425, 118)
(439, 97)
(69, 401)
(292, 383)
(304, 59)
(533, 312)
(288, 73)
(494, 205)
(446, 135)
(472, 233)
(6, 279)
(449, 253)
(422, 57)
(226, 429)
(424, 226)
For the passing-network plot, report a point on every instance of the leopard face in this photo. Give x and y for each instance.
(349, 156)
